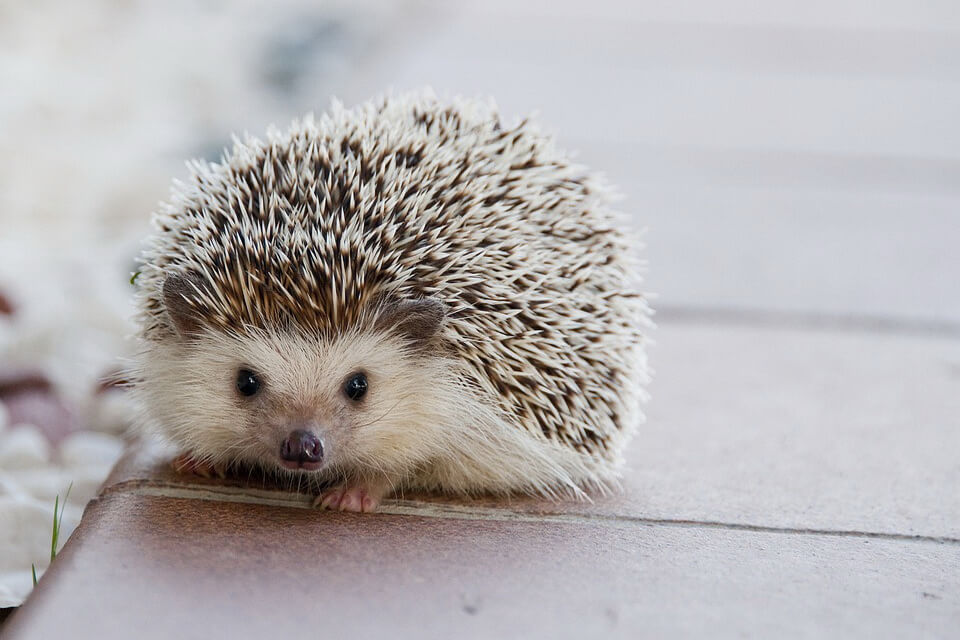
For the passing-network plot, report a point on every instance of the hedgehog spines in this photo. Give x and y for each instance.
(412, 197)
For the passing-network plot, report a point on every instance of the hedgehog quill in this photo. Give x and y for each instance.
(408, 294)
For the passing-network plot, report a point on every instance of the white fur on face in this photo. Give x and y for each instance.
(189, 389)
(422, 423)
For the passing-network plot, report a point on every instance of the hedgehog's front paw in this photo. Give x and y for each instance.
(349, 498)
(186, 464)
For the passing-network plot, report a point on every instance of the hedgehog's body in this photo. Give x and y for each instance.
(415, 296)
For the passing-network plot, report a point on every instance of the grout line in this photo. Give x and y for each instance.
(680, 314)
(465, 512)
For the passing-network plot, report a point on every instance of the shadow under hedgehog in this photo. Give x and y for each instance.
(404, 295)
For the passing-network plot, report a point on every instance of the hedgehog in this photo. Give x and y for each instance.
(405, 295)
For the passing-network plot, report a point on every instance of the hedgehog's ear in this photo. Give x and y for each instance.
(178, 289)
(418, 321)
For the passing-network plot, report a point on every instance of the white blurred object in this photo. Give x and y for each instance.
(21, 544)
(110, 412)
(85, 448)
(25, 541)
(22, 447)
(31, 481)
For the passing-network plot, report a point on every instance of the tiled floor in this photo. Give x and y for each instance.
(797, 166)
(208, 558)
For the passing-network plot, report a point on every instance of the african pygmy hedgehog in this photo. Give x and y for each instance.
(407, 294)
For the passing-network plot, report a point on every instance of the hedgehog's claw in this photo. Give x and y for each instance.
(186, 464)
(329, 499)
(343, 498)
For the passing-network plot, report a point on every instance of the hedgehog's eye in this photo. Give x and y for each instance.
(248, 383)
(356, 386)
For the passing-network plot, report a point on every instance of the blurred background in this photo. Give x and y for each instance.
(793, 162)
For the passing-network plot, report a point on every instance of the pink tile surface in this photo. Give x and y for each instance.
(160, 567)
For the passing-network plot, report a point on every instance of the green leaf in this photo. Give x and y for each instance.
(56, 529)
(58, 509)
(58, 520)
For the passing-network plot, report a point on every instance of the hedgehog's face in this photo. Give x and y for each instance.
(347, 405)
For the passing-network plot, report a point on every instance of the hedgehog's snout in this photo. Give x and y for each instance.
(302, 449)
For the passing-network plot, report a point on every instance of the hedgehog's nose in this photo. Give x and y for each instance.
(302, 447)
